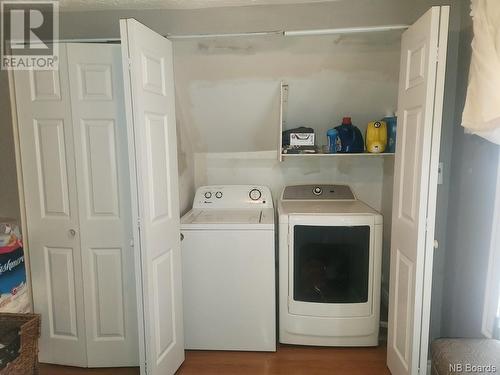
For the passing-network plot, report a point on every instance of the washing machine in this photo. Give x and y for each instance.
(330, 249)
(228, 269)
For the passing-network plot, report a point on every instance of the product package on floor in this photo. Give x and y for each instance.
(14, 296)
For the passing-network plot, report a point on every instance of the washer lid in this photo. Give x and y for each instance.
(230, 219)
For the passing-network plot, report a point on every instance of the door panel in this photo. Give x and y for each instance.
(61, 292)
(101, 157)
(45, 85)
(95, 81)
(149, 88)
(164, 303)
(46, 141)
(158, 171)
(100, 168)
(403, 295)
(108, 291)
(414, 201)
(51, 167)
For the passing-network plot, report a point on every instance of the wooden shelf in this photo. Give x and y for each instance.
(338, 154)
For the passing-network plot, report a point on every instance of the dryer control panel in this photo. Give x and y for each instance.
(233, 196)
(318, 192)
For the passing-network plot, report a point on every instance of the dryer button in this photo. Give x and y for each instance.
(255, 194)
(317, 191)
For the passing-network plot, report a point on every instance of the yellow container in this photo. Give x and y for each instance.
(376, 136)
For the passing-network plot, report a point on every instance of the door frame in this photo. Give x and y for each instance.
(20, 184)
(135, 209)
(432, 193)
(492, 288)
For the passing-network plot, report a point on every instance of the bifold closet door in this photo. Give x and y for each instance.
(49, 177)
(420, 104)
(102, 177)
(74, 158)
(150, 107)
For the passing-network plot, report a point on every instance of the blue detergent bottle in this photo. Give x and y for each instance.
(350, 138)
(391, 121)
(332, 140)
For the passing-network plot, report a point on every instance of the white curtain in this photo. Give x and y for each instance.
(481, 113)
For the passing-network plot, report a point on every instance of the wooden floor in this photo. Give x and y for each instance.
(288, 360)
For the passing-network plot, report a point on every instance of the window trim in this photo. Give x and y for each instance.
(492, 290)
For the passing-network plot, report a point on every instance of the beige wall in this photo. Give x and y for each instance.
(343, 13)
(9, 198)
(470, 215)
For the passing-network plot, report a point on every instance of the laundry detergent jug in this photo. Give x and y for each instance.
(376, 136)
(349, 137)
(391, 122)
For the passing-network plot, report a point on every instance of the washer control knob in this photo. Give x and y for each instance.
(218, 195)
(208, 195)
(255, 194)
(317, 191)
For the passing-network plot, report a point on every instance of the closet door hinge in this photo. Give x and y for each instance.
(129, 64)
(437, 54)
(139, 223)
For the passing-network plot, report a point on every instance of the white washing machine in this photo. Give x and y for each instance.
(228, 269)
(330, 249)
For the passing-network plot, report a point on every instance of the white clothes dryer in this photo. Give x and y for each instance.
(228, 269)
(330, 249)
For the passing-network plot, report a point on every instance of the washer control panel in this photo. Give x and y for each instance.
(233, 196)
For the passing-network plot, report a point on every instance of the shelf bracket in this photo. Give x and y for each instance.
(283, 114)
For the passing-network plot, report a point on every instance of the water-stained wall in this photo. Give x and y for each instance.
(230, 86)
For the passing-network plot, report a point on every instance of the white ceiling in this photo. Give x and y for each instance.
(81, 5)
